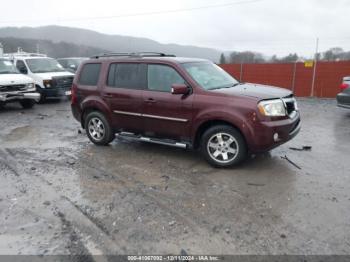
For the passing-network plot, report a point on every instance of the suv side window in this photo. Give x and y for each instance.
(89, 74)
(21, 66)
(162, 77)
(126, 75)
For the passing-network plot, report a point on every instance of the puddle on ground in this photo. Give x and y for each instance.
(23, 132)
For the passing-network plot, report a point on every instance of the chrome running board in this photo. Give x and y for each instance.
(166, 142)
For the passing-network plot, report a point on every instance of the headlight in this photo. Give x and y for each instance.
(30, 86)
(47, 83)
(272, 108)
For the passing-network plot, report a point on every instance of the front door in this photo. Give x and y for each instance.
(123, 93)
(165, 114)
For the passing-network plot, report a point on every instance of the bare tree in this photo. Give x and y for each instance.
(246, 57)
(222, 59)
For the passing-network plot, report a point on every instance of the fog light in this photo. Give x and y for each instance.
(276, 137)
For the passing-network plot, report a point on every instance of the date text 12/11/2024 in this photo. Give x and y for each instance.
(174, 258)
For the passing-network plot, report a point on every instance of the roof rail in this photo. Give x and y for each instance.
(110, 55)
(23, 54)
(136, 54)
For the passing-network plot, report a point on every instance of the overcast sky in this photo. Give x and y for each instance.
(267, 26)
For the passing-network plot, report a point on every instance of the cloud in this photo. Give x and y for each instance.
(268, 26)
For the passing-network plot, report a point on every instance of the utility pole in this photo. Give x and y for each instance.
(1, 50)
(314, 73)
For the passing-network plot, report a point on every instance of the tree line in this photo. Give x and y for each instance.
(50, 48)
(250, 57)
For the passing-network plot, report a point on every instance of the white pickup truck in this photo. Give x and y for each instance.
(50, 78)
(15, 87)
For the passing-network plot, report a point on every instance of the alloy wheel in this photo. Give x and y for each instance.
(96, 129)
(222, 147)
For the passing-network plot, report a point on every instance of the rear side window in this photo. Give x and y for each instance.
(89, 74)
(126, 75)
(161, 78)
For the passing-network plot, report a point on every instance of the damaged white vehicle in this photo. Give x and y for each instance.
(15, 87)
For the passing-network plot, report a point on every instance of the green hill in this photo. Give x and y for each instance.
(52, 49)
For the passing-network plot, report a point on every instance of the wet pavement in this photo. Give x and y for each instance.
(60, 194)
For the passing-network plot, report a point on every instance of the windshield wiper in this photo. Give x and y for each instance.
(237, 84)
(221, 87)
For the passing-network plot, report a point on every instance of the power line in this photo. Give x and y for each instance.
(140, 14)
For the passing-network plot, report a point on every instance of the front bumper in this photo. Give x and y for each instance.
(344, 106)
(343, 100)
(54, 92)
(13, 96)
(271, 134)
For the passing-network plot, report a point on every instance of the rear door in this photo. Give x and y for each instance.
(165, 114)
(123, 93)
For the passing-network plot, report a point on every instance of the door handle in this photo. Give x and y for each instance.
(150, 100)
(107, 95)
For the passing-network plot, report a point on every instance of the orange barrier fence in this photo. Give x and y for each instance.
(295, 76)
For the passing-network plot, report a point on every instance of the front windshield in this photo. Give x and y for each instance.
(44, 65)
(210, 76)
(7, 67)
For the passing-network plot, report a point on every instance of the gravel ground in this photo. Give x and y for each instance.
(60, 194)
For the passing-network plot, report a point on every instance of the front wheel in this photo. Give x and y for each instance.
(27, 103)
(223, 146)
(98, 129)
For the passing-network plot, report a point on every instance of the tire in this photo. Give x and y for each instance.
(27, 103)
(223, 146)
(42, 96)
(42, 99)
(98, 129)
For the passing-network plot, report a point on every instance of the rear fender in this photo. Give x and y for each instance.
(95, 103)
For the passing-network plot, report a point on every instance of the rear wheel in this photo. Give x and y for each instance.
(27, 103)
(223, 146)
(98, 129)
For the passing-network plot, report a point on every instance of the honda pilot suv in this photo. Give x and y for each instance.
(181, 102)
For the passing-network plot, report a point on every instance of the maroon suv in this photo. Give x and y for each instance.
(182, 102)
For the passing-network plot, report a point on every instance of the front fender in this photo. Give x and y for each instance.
(240, 120)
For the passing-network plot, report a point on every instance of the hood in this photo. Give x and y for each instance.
(49, 75)
(260, 92)
(14, 79)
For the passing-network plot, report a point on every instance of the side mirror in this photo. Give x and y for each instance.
(72, 67)
(23, 70)
(179, 89)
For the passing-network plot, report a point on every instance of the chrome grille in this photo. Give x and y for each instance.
(12, 88)
(290, 104)
(63, 82)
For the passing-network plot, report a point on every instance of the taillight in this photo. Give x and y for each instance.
(344, 86)
(74, 99)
